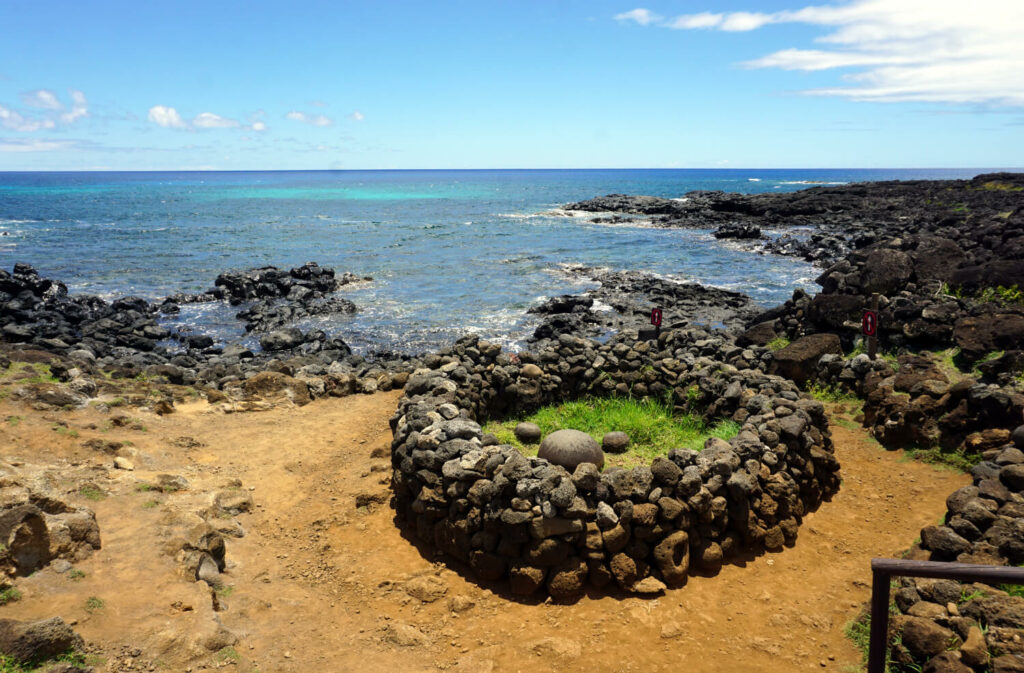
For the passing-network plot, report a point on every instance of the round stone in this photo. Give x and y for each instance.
(615, 442)
(569, 448)
(527, 433)
(1018, 437)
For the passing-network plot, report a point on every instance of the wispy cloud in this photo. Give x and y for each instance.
(34, 145)
(357, 116)
(209, 120)
(169, 118)
(79, 107)
(903, 50)
(48, 112)
(312, 119)
(43, 99)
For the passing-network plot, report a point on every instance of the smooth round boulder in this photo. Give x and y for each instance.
(615, 442)
(1017, 437)
(527, 433)
(569, 448)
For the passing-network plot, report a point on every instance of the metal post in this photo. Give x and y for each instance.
(873, 340)
(879, 621)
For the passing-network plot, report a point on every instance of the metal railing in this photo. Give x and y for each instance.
(882, 572)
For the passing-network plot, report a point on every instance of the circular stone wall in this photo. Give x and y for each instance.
(546, 530)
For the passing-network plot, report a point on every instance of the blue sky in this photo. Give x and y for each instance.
(624, 83)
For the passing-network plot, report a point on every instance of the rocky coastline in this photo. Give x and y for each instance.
(944, 258)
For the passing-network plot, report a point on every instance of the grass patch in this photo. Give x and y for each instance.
(94, 603)
(998, 186)
(29, 372)
(777, 344)
(150, 504)
(9, 595)
(91, 493)
(955, 460)
(227, 654)
(225, 591)
(64, 430)
(653, 430)
(14, 420)
(75, 575)
(831, 393)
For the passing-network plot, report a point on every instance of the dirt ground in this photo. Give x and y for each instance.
(319, 584)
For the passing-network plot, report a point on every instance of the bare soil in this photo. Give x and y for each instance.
(319, 584)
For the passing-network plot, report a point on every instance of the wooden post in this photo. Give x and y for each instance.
(879, 642)
(873, 340)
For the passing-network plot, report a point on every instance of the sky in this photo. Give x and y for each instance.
(260, 85)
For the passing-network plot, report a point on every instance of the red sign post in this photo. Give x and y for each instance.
(869, 326)
(656, 321)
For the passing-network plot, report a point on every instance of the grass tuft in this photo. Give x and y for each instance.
(777, 344)
(9, 595)
(94, 603)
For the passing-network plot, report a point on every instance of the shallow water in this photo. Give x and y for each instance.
(450, 251)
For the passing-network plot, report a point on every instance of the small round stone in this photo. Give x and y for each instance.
(569, 448)
(615, 442)
(527, 433)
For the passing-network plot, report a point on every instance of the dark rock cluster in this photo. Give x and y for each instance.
(829, 222)
(544, 529)
(975, 626)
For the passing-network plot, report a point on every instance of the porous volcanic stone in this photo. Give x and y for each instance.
(615, 442)
(569, 448)
(527, 433)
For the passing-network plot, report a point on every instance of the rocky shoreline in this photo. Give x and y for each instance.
(945, 258)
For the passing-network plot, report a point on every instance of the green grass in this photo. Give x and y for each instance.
(75, 575)
(94, 603)
(651, 427)
(956, 460)
(14, 420)
(227, 654)
(777, 344)
(225, 591)
(150, 504)
(9, 595)
(831, 393)
(91, 493)
(64, 430)
(9, 664)
(997, 186)
(40, 373)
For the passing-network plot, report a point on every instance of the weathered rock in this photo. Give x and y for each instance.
(527, 433)
(569, 448)
(28, 642)
(798, 360)
(615, 442)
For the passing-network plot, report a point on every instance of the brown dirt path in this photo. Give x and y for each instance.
(319, 584)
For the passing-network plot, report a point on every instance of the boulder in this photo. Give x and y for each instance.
(29, 642)
(282, 339)
(760, 334)
(798, 360)
(924, 638)
(978, 336)
(615, 442)
(569, 448)
(835, 310)
(271, 384)
(527, 433)
(885, 271)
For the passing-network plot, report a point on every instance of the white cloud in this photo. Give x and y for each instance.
(167, 117)
(640, 15)
(79, 107)
(357, 116)
(904, 50)
(314, 120)
(42, 98)
(209, 120)
(258, 126)
(13, 120)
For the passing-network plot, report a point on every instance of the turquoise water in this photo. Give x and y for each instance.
(451, 251)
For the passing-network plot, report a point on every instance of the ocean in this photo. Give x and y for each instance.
(451, 252)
